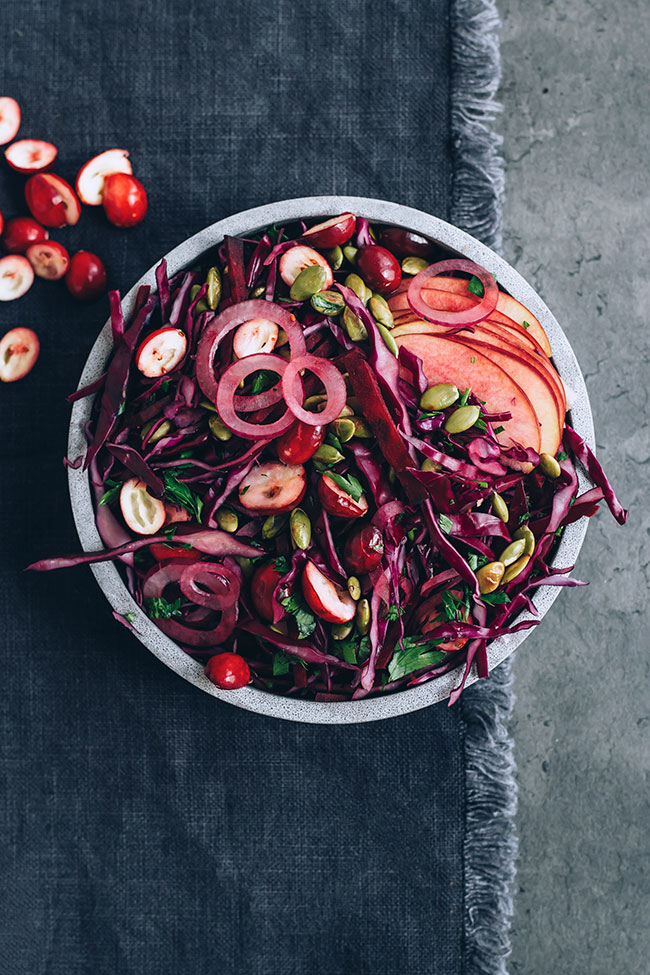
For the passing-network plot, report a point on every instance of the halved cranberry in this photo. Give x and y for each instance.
(364, 549)
(273, 488)
(161, 352)
(263, 584)
(49, 259)
(30, 155)
(332, 232)
(144, 514)
(296, 259)
(51, 200)
(299, 443)
(20, 232)
(19, 350)
(337, 501)
(16, 277)
(331, 603)
(90, 181)
(254, 336)
(9, 119)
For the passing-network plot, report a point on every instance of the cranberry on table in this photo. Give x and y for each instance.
(263, 583)
(51, 200)
(49, 259)
(299, 443)
(125, 200)
(20, 232)
(16, 276)
(19, 350)
(364, 548)
(379, 268)
(86, 277)
(228, 671)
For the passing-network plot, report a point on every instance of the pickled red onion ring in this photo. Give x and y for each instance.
(222, 583)
(232, 318)
(155, 584)
(226, 400)
(468, 316)
(330, 377)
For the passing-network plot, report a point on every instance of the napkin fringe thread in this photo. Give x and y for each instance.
(478, 182)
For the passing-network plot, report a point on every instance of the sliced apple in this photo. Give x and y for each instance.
(516, 335)
(90, 181)
(446, 360)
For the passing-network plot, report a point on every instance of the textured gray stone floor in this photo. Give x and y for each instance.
(576, 86)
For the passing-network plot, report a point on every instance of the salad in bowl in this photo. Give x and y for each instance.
(333, 461)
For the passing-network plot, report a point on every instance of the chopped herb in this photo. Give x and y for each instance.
(473, 359)
(475, 286)
(476, 561)
(494, 598)
(394, 613)
(184, 455)
(130, 617)
(414, 656)
(334, 441)
(465, 397)
(244, 490)
(179, 493)
(482, 484)
(425, 416)
(499, 429)
(281, 663)
(523, 518)
(349, 484)
(305, 619)
(446, 524)
(349, 649)
(561, 455)
(452, 606)
(170, 532)
(282, 564)
(526, 324)
(264, 380)
(411, 533)
(112, 493)
(558, 531)
(161, 609)
(481, 424)
(122, 408)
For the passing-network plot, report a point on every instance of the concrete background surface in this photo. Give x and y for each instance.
(576, 81)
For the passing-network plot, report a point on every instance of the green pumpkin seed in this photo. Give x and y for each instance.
(363, 616)
(528, 537)
(462, 419)
(513, 551)
(489, 576)
(334, 257)
(201, 306)
(314, 401)
(500, 508)
(392, 475)
(274, 525)
(327, 454)
(361, 429)
(207, 405)
(513, 570)
(300, 528)
(389, 341)
(246, 565)
(163, 430)
(259, 291)
(439, 397)
(343, 429)
(310, 280)
(350, 253)
(354, 326)
(549, 466)
(430, 465)
(380, 311)
(213, 295)
(227, 520)
(354, 588)
(340, 631)
(346, 411)
(328, 303)
(219, 429)
(194, 290)
(413, 265)
(359, 286)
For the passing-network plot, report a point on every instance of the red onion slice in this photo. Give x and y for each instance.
(155, 584)
(332, 380)
(228, 385)
(222, 585)
(469, 316)
(232, 318)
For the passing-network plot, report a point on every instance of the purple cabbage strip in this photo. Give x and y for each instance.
(132, 460)
(117, 316)
(235, 260)
(485, 454)
(323, 533)
(286, 583)
(587, 458)
(182, 299)
(163, 290)
(372, 471)
(88, 390)
(413, 364)
(256, 263)
(233, 480)
(476, 525)
(363, 232)
(302, 649)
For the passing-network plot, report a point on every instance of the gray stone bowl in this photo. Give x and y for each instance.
(188, 253)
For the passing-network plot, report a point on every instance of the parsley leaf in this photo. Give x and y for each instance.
(494, 598)
(473, 359)
(446, 524)
(349, 484)
(475, 286)
(130, 617)
(499, 429)
(179, 493)
(526, 324)
(452, 606)
(281, 663)
(561, 455)
(112, 493)
(264, 380)
(476, 561)
(305, 619)
(334, 441)
(481, 424)
(414, 656)
(161, 609)
(394, 613)
(282, 564)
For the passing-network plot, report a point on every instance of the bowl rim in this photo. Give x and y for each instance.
(187, 253)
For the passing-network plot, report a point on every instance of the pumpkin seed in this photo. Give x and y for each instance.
(489, 576)
(219, 429)
(300, 528)
(439, 397)
(354, 588)
(392, 475)
(362, 618)
(359, 286)
(207, 405)
(283, 339)
(462, 419)
(513, 551)
(340, 631)
(549, 466)
(334, 257)
(194, 290)
(246, 565)
(310, 280)
(327, 454)
(500, 508)
(380, 311)
(350, 253)
(274, 525)
(259, 291)
(413, 265)
(361, 429)
(328, 302)
(227, 520)
(346, 412)
(389, 341)
(163, 430)
(213, 295)
(201, 306)
(527, 535)
(343, 429)
(314, 401)
(354, 326)
(513, 570)
(430, 465)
